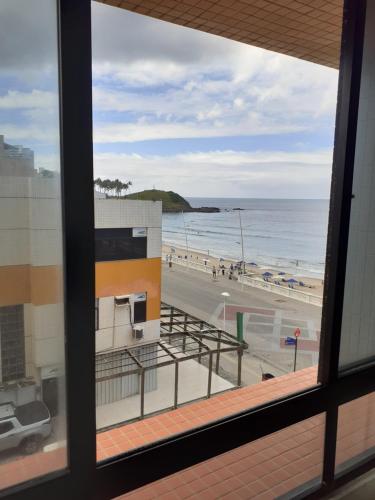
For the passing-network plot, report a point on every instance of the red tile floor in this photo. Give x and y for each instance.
(263, 469)
(127, 437)
(276, 464)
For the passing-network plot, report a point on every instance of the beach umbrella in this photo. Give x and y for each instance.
(291, 280)
(253, 264)
(267, 274)
(281, 273)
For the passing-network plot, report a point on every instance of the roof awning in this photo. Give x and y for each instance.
(307, 29)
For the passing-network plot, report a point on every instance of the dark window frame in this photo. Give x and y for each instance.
(84, 478)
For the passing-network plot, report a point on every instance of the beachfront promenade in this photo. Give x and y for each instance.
(269, 319)
(254, 281)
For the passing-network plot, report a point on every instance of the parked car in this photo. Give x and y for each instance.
(24, 426)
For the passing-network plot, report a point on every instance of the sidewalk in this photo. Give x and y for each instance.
(254, 282)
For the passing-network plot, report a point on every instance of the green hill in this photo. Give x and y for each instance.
(172, 202)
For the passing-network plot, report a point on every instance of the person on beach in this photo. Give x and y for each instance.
(223, 270)
(214, 272)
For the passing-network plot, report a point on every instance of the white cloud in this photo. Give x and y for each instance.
(224, 173)
(141, 52)
(241, 89)
(15, 99)
(144, 131)
(24, 134)
(154, 80)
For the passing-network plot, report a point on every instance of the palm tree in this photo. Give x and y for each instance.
(112, 187)
(126, 185)
(98, 182)
(117, 187)
(106, 185)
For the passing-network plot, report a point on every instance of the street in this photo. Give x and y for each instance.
(268, 320)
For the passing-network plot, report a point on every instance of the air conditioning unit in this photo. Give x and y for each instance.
(137, 333)
(122, 300)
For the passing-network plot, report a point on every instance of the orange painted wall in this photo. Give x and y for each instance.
(26, 284)
(42, 285)
(131, 276)
(46, 285)
(14, 285)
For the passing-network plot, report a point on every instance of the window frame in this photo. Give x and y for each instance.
(84, 478)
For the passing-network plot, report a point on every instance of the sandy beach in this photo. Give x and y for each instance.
(312, 285)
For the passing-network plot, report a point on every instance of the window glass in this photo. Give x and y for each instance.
(32, 364)
(355, 432)
(358, 320)
(212, 164)
(119, 244)
(282, 465)
(6, 427)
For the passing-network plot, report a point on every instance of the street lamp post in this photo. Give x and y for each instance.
(186, 241)
(224, 295)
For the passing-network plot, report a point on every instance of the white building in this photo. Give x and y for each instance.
(128, 244)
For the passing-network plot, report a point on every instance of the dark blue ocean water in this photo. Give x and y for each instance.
(285, 234)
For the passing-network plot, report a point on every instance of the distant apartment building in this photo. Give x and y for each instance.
(128, 267)
(31, 291)
(15, 160)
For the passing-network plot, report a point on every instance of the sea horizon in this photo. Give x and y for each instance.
(249, 198)
(288, 234)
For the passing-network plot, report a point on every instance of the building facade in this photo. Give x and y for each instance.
(128, 247)
(127, 313)
(31, 281)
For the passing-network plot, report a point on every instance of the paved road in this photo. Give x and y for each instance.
(269, 318)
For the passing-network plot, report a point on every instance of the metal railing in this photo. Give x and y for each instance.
(292, 293)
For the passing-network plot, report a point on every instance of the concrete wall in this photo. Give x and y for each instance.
(125, 277)
(358, 327)
(115, 326)
(127, 213)
(153, 242)
(31, 264)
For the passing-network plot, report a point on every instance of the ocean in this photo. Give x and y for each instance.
(288, 235)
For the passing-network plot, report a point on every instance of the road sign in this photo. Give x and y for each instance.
(290, 341)
(297, 332)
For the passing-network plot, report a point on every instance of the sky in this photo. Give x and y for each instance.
(174, 108)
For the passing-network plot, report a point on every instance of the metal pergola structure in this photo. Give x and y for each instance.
(182, 337)
(180, 326)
